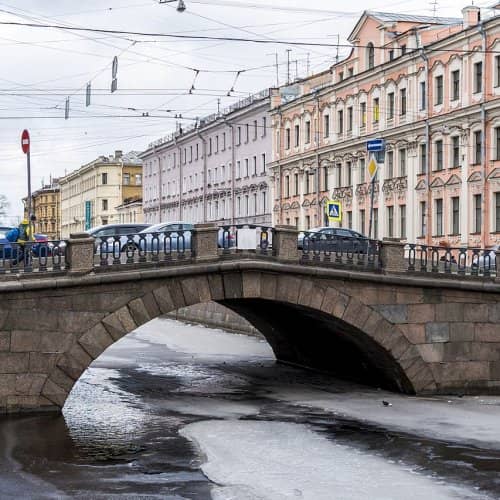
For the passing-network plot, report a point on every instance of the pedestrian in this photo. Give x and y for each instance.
(20, 235)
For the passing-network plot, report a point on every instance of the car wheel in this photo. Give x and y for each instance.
(130, 247)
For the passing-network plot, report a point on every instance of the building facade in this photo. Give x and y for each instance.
(214, 171)
(46, 206)
(429, 87)
(130, 211)
(90, 195)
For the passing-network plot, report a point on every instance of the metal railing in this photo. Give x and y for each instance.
(157, 247)
(33, 257)
(461, 261)
(251, 238)
(345, 251)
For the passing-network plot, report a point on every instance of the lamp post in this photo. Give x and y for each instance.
(181, 6)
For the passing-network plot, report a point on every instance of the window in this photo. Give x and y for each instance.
(349, 118)
(477, 223)
(497, 71)
(363, 114)
(185, 156)
(223, 141)
(325, 178)
(104, 205)
(439, 155)
(287, 186)
(341, 76)
(438, 210)
(455, 151)
(350, 71)
(349, 173)
(210, 146)
(197, 151)
(375, 223)
(264, 126)
(296, 184)
(297, 136)
(255, 127)
(264, 202)
(126, 179)
(423, 96)
(478, 77)
(247, 135)
(238, 169)
(423, 158)
(402, 221)
(497, 143)
(247, 173)
(455, 85)
(376, 110)
(287, 138)
(190, 154)
(390, 105)
(238, 137)
(340, 121)
(390, 222)
(455, 215)
(403, 50)
(402, 162)
(326, 125)
(370, 56)
(439, 90)
(390, 164)
(497, 212)
(478, 144)
(104, 178)
(338, 170)
(362, 221)
(362, 170)
(308, 132)
(254, 165)
(423, 218)
(263, 160)
(391, 54)
(402, 102)
(138, 179)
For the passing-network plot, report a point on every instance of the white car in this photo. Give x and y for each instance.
(491, 262)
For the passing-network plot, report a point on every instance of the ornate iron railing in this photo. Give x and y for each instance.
(332, 250)
(156, 247)
(32, 257)
(252, 238)
(461, 261)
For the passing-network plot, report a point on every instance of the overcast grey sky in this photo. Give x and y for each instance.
(40, 68)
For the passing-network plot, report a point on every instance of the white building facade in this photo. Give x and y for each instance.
(215, 171)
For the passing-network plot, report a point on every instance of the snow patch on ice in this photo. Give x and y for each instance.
(275, 461)
(202, 342)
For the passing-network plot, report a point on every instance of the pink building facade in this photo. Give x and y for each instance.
(429, 87)
(214, 171)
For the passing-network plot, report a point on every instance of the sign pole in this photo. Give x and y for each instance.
(372, 182)
(25, 145)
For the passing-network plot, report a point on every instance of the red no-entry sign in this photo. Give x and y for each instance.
(25, 141)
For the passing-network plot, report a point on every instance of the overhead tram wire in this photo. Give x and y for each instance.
(233, 39)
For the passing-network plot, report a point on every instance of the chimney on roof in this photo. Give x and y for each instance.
(472, 15)
(118, 154)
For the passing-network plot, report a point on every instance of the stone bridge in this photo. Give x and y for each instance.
(383, 323)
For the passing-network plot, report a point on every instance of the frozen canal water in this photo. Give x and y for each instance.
(179, 411)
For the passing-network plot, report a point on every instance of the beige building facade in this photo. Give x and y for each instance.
(46, 206)
(90, 195)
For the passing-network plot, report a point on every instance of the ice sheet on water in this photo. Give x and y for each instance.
(202, 342)
(471, 420)
(275, 461)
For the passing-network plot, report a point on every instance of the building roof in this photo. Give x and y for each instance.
(409, 18)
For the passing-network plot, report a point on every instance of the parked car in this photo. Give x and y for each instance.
(332, 239)
(490, 262)
(107, 232)
(178, 235)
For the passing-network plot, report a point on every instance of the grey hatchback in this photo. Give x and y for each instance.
(104, 235)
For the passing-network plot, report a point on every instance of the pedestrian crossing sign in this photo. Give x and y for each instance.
(334, 211)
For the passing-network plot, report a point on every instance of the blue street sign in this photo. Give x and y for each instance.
(88, 215)
(374, 145)
(334, 210)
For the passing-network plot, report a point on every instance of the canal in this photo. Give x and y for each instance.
(181, 411)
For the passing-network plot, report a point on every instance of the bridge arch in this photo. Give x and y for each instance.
(308, 321)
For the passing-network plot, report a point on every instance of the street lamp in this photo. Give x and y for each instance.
(181, 6)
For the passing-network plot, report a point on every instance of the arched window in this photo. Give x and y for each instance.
(370, 55)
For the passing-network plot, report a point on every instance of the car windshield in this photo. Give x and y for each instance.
(170, 226)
